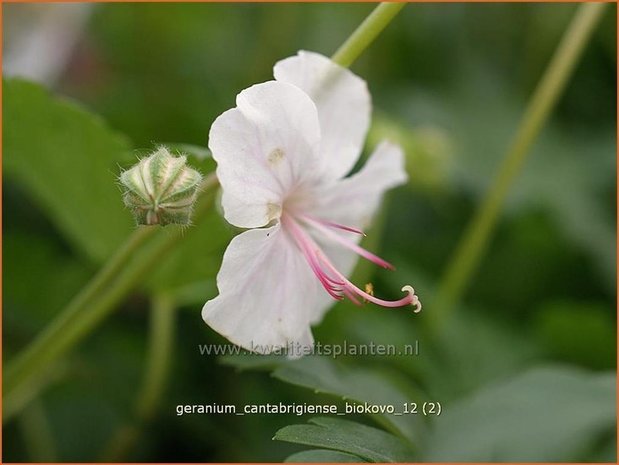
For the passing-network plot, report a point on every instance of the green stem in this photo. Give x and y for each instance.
(365, 34)
(58, 326)
(476, 237)
(160, 352)
(154, 381)
(126, 270)
(37, 433)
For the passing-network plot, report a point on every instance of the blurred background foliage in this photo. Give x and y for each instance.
(524, 369)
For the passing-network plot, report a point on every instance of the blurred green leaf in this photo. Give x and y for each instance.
(68, 160)
(37, 433)
(583, 169)
(357, 384)
(254, 361)
(474, 350)
(579, 332)
(471, 348)
(549, 413)
(347, 436)
(33, 260)
(428, 150)
(105, 372)
(322, 456)
(17, 401)
(606, 451)
(196, 259)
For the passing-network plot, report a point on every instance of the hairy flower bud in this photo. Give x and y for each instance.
(161, 189)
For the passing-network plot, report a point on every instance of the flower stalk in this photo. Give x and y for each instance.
(160, 346)
(365, 34)
(472, 245)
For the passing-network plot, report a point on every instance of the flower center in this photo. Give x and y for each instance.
(334, 282)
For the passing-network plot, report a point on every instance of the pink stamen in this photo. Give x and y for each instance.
(339, 285)
(324, 279)
(312, 259)
(411, 298)
(350, 245)
(332, 224)
(351, 296)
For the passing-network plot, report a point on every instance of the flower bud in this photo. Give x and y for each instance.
(161, 189)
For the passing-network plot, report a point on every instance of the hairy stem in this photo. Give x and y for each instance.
(473, 243)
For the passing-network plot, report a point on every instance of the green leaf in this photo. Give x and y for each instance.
(196, 258)
(34, 261)
(578, 332)
(323, 456)
(475, 350)
(253, 361)
(347, 436)
(68, 160)
(356, 384)
(545, 414)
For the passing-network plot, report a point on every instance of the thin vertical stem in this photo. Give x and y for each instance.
(156, 373)
(37, 433)
(365, 34)
(160, 354)
(475, 239)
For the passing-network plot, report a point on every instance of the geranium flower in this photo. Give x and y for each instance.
(282, 156)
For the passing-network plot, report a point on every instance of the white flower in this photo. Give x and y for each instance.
(282, 156)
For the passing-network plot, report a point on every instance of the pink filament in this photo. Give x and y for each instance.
(332, 224)
(349, 244)
(327, 282)
(334, 282)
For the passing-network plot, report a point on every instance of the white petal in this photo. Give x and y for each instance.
(266, 292)
(353, 201)
(263, 147)
(343, 103)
